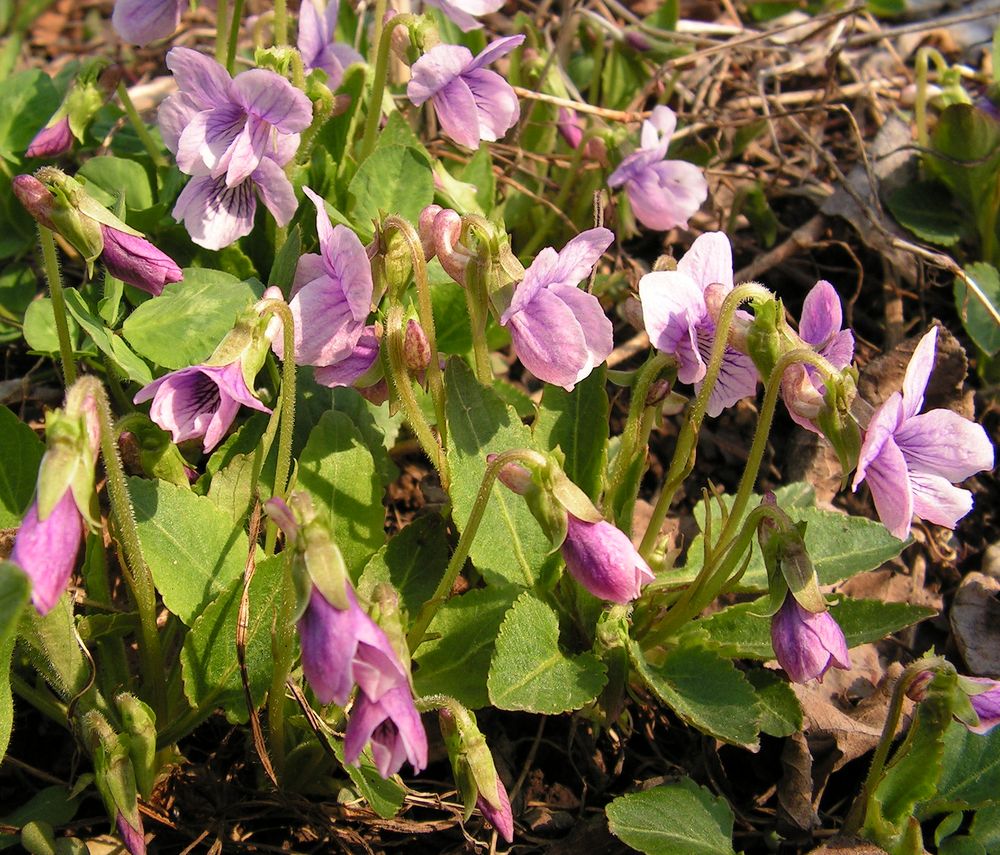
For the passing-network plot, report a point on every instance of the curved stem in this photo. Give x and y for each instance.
(683, 459)
(457, 561)
(58, 303)
(378, 83)
(154, 152)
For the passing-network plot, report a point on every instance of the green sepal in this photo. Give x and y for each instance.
(763, 337)
(837, 423)
(389, 617)
(325, 564)
(789, 568)
(471, 759)
(86, 96)
(68, 464)
(139, 723)
(573, 499)
(460, 769)
(611, 641)
(71, 195)
(158, 456)
(113, 773)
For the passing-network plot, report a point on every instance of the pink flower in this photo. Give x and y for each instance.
(911, 459)
(136, 261)
(46, 549)
(392, 725)
(602, 559)
(52, 140)
(807, 645)
(143, 21)
(465, 12)
(317, 25)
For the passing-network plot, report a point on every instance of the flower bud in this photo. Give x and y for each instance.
(569, 127)
(762, 339)
(602, 559)
(35, 198)
(52, 140)
(657, 392)
(917, 690)
(425, 228)
(637, 41)
(807, 645)
(136, 261)
(139, 723)
(416, 348)
(514, 476)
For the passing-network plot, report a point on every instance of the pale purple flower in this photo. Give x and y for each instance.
(499, 815)
(465, 12)
(472, 103)
(352, 367)
(330, 298)
(52, 140)
(807, 645)
(201, 400)
(679, 323)
(132, 836)
(663, 193)
(911, 461)
(986, 704)
(317, 25)
(140, 22)
(136, 261)
(46, 549)
(820, 325)
(560, 332)
(602, 559)
(392, 725)
(341, 647)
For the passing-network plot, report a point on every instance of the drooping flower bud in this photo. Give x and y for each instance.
(602, 559)
(805, 644)
(115, 780)
(416, 348)
(789, 567)
(52, 140)
(136, 261)
(569, 127)
(139, 724)
(35, 199)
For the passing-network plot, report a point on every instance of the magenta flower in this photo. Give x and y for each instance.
(132, 837)
(199, 401)
(465, 12)
(602, 559)
(140, 22)
(807, 645)
(820, 326)
(911, 461)
(663, 193)
(52, 140)
(679, 322)
(136, 261)
(46, 549)
(392, 725)
(499, 815)
(317, 25)
(986, 704)
(472, 103)
(561, 333)
(331, 295)
(341, 647)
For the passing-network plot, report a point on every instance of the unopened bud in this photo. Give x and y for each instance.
(658, 391)
(917, 690)
(416, 348)
(377, 393)
(514, 476)
(51, 141)
(637, 41)
(569, 127)
(35, 198)
(425, 226)
(631, 312)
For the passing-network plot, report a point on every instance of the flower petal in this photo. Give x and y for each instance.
(549, 341)
(883, 424)
(435, 70)
(496, 103)
(891, 488)
(458, 113)
(937, 500)
(213, 214)
(140, 22)
(46, 549)
(598, 331)
(822, 315)
(672, 305)
(272, 99)
(494, 50)
(275, 191)
(709, 260)
(940, 442)
(918, 372)
(200, 77)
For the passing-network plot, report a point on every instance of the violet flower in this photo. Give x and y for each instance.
(663, 193)
(331, 296)
(679, 323)
(393, 726)
(499, 816)
(52, 140)
(910, 461)
(132, 837)
(317, 25)
(472, 103)
(140, 22)
(986, 704)
(46, 549)
(465, 12)
(820, 325)
(201, 400)
(560, 332)
(807, 645)
(136, 261)
(602, 559)
(341, 647)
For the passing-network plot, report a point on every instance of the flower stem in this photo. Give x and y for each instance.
(221, 29)
(282, 647)
(378, 82)
(443, 589)
(280, 23)
(234, 35)
(684, 453)
(58, 303)
(155, 155)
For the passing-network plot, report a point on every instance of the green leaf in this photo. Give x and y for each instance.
(15, 588)
(413, 562)
(286, 260)
(530, 672)
(53, 805)
(509, 547)
(927, 209)
(121, 356)
(27, 101)
(337, 469)
(21, 452)
(395, 179)
(209, 664)
(107, 177)
(575, 422)
(370, 421)
(184, 324)
(40, 327)
(676, 819)
(49, 641)
(705, 690)
(778, 708)
(985, 829)
(744, 631)
(384, 795)
(193, 549)
(968, 142)
(976, 318)
(454, 658)
(970, 772)
(451, 316)
(479, 173)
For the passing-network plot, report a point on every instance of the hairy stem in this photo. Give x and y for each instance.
(378, 81)
(58, 303)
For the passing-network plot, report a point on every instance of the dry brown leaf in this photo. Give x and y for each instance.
(849, 846)
(975, 622)
(795, 789)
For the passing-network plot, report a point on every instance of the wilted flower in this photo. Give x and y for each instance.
(393, 726)
(317, 25)
(143, 21)
(472, 103)
(201, 400)
(820, 325)
(52, 140)
(910, 461)
(805, 644)
(560, 332)
(679, 322)
(498, 815)
(663, 193)
(462, 11)
(602, 559)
